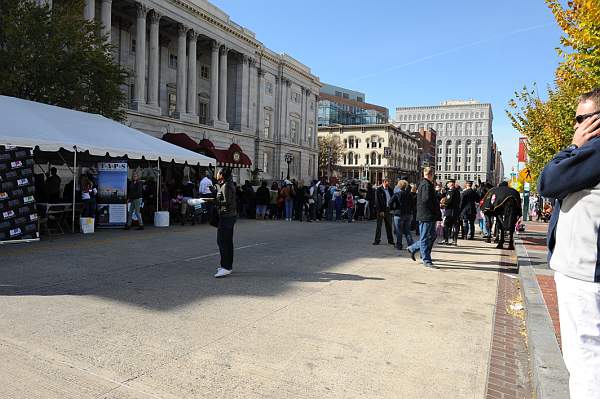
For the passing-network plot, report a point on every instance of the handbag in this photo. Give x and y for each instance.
(213, 218)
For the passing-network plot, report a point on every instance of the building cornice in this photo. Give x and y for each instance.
(480, 105)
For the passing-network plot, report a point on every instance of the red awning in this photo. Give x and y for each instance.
(233, 156)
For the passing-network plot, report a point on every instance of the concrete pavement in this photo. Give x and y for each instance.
(311, 311)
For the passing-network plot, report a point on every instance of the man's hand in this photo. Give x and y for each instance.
(587, 130)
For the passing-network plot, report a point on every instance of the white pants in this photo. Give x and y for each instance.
(579, 312)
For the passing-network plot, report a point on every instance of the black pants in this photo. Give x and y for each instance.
(89, 208)
(225, 240)
(387, 219)
(468, 228)
(450, 229)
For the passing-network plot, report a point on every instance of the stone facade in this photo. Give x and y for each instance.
(464, 137)
(197, 72)
(364, 151)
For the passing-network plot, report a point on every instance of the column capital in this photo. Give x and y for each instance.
(193, 34)
(308, 92)
(141, 10)
(215, 45)
(224, 50)
(155, 17)
(245, 59)
(182, 29)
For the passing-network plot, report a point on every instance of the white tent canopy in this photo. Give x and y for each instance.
(31, 124)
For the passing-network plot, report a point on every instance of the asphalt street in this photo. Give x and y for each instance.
(312, 310)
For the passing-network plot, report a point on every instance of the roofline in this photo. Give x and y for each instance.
(358, 104)
(443, 106)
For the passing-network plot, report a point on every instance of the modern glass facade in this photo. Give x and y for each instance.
(333, 112)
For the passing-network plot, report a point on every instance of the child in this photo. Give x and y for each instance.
(350, 206)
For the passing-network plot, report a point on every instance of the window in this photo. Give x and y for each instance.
(380, 144)
(350, 158)
(373, 158)
(378, 159)
(351, 142)
(448, 128)
(478, 150)
(293, 130)
(366, 159)
(449, 150)
(172, 61)
(133, 45)
(267, 125)
(469, 128)
(346, 96)
(204, 72)
(269, 88)
(310, 134)
(265, 167)
(338, 93)
(203, 112)
(411, 128)
(359, 99)
(295, 97)
(459, 128)
(439, 150)
(172, 103)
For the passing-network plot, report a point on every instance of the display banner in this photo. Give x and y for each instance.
(112, 194)
(522, 155)
(18, 214)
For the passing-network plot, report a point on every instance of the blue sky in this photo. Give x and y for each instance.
(408, 53)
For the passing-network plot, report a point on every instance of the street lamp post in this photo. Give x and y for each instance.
(288, 158)
(366, 169)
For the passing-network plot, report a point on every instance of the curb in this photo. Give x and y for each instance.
(550, 378)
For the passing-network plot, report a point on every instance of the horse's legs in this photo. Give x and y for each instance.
(500, 230)
(511, 243)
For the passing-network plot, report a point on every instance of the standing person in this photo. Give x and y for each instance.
(401, 205)
(135, 192)
(371, 201)
(573, 178)
(227, 208)
(451, 214)
(53, 187)
(288, 193)
(469, 200)
(350, 206)
(383, 195)
(314, 203)
(88, 197)
(263, 198)
(428, 212)
(300, 200)
(338, 203)
(274, 195)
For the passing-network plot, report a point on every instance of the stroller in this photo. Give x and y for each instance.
(196, 209)
(362, 205)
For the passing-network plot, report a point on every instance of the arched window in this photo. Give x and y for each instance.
(378, 159)
(351, 141)
(356, 159)
(344, 159)
(373, 158)
(439, 142)
(350, 158)
(366, 159)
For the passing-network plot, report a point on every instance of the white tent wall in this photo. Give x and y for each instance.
(31, 124)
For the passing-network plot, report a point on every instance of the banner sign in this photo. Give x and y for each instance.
(522, 155)
(112, 194)
(18, 213)
(387, 152)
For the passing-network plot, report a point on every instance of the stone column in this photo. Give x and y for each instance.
(106, 14)
(181, 71)
(214, 83)
(223, 85)
(260, 109)
(89, 10)
(245, 103)
(192, 77)
(154, 57)
(139, 100)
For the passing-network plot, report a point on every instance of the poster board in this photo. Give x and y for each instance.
(18, 213)
(112, 194)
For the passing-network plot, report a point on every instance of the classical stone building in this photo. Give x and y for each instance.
(375, 151)
(197, 72)
(464, 137)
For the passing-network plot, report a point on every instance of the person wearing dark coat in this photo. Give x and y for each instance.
(451, 206)
(226, 203)
(401, 207)
(468, 210)
(428, 213)
(383, 195)
(263, 198)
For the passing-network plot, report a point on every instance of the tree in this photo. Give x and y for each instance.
(548, 124)
(54, 56)
(330, 153)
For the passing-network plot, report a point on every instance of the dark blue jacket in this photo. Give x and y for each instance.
(569, 172)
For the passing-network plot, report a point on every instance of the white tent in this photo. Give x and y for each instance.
(30, 124)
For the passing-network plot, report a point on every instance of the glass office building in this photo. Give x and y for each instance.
(338, 106)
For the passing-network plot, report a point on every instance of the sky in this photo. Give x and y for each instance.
(412, 53)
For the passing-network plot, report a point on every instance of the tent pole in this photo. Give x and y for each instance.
(74, 186)
(158, 187)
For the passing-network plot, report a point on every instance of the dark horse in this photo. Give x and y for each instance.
(503, 203)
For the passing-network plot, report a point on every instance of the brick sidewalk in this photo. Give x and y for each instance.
(508, 375)
(534, 240)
